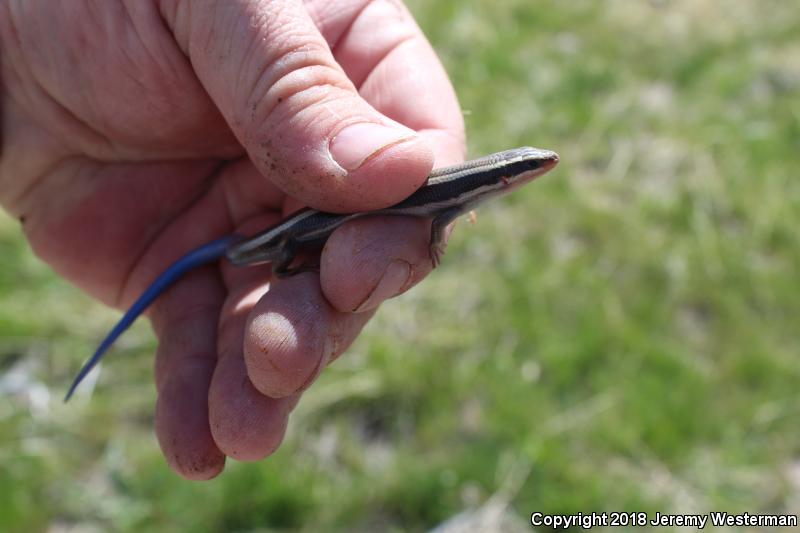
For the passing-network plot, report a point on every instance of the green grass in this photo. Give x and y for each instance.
(621, 336)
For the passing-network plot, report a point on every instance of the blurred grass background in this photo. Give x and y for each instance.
(622, 335)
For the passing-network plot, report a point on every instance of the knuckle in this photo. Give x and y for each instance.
(299, 76)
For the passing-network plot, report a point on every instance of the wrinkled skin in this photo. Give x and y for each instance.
(136, 130)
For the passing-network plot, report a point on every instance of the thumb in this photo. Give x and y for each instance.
(293, 108)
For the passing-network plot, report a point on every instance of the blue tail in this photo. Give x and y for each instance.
(207, 253)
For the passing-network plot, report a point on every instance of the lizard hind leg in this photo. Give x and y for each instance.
(439, 232)
(281, 266)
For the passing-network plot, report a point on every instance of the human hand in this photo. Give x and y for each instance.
(134, 131)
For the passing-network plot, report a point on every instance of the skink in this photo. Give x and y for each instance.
(448, 193)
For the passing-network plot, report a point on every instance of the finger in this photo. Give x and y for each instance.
(292, 333)
(370, 260)
(290, 104)
(246, 425)
(395, 69)
(185, 321)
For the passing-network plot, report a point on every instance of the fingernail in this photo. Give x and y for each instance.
(358, 142)
(394, 280)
